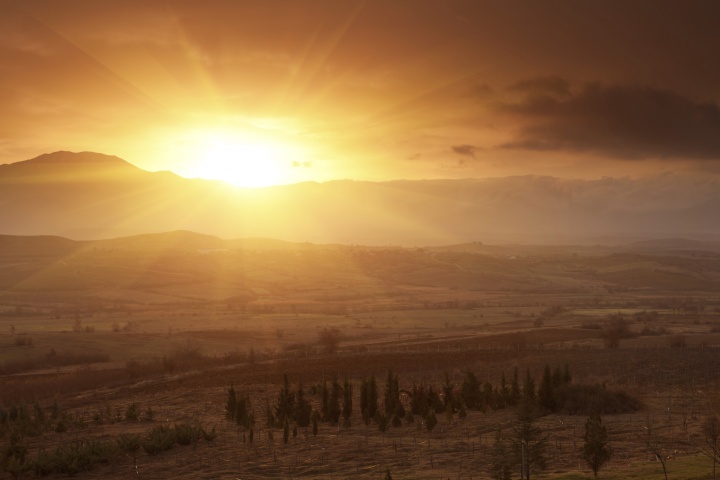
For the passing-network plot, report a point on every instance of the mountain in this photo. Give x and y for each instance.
(90, 196)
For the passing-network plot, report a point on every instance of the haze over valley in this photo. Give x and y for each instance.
(368, 239)
(92, 196)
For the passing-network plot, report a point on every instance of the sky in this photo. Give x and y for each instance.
(281, 91)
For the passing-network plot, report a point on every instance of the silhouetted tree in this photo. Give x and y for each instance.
(302, 407)
(596, 450)
(285, 406)
(499, 464)
(470, 391)
(529, 442)
(231, 403)
(515, 389)
(546, 392)
(392, 394)
(711, 439)
(347, 392)
(529, 386)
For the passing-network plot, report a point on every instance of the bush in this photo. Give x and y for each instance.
(160, 439)
(186, 434)
(132, 412)
(72, 458)
(129, 443)
(594, 400)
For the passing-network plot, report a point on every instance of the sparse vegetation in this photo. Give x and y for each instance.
(462, 367)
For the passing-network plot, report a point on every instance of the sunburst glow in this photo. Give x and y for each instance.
(240, 158)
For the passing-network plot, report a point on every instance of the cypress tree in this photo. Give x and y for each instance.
(431, 421)
(529, 386)
(392, 394)
(529, 442)
(285, 406)
(231, 403)
(470, 391)
(315, 416)
(515, 389)
(499, 465)
(302, 407)
(371, 397)
(333, 406)
(325, 402)
(347, 391)
(596, 450)
(546, 392)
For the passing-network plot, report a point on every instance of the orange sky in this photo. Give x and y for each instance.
(280, 91)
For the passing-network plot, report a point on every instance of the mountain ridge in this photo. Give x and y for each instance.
(56, 198)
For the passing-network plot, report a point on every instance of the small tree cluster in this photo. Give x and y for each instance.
(239, 409)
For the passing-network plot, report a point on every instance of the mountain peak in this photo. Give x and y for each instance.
(77, 158)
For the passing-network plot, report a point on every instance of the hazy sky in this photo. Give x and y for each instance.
(289, 90)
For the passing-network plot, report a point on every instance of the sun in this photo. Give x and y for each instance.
(240, 158)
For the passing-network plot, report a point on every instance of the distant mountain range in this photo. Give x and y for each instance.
(90, 196)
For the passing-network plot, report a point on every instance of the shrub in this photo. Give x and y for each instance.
(132, 412)
(186, 434)
(594, 400)
(209, 436)
(128, 443)
(149, 414)
(72, 458)
(160, 439)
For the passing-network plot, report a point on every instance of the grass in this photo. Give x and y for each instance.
(424, 315)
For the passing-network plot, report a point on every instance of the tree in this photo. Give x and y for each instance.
(470, 391)
(546, 392)
(347, 402)
(368, 399)
(447, 390)
(431, 421)
(382, 422)
(596, 450)
(329, 339)
(529, 386)
(325, 402)
(302, 407)
(269, 417)
(711, 439)
(231, 403)
(315, 416)
(286, 431)
(285, 406)
(333, 405)
(243, 412)
(529, 442)
(515, 389)
(503, 392)
(392, 394)
(499, 465)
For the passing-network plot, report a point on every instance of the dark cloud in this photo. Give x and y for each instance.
(547, 85)
(620, 120)
(480, 90)
(465, 150)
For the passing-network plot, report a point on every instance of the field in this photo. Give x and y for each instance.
(116, 338)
